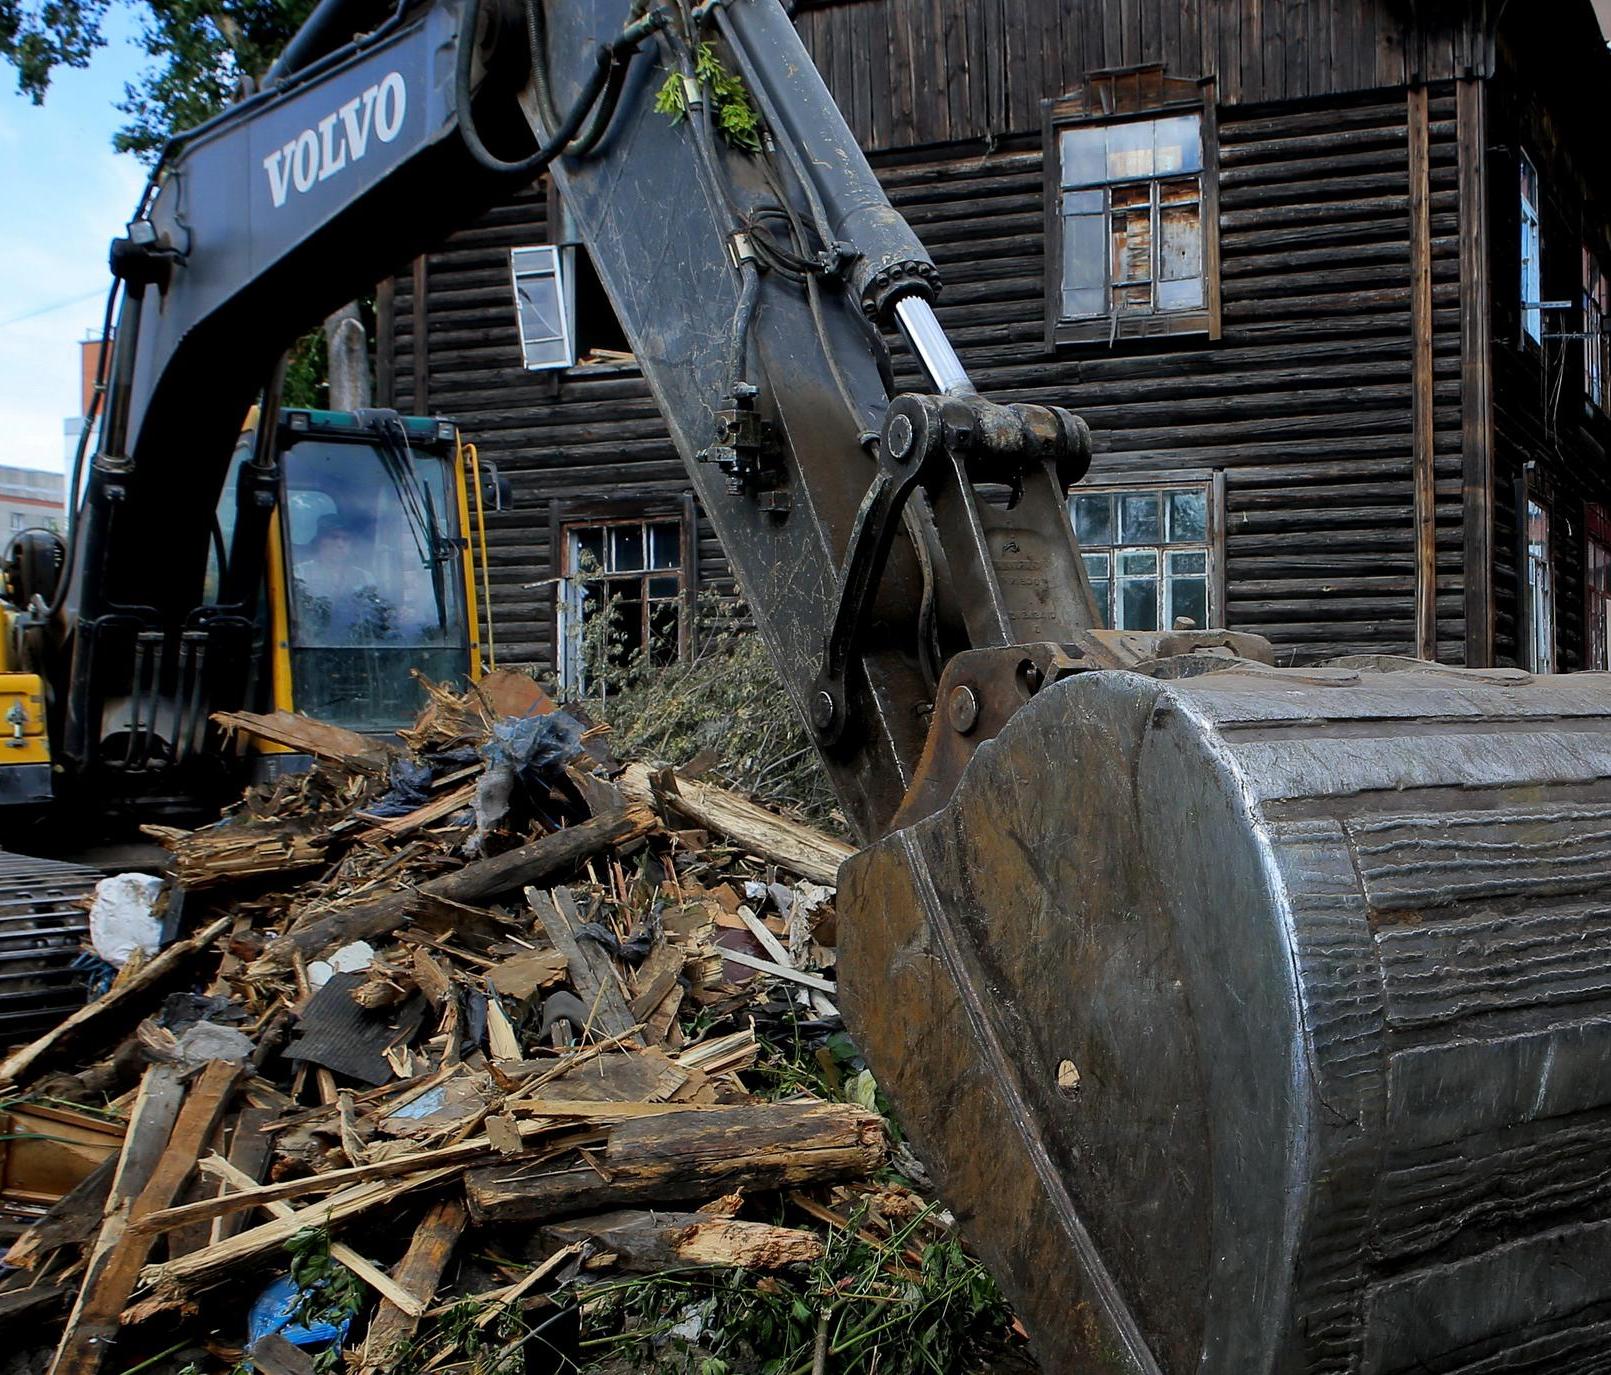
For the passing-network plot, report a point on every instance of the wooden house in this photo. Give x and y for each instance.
(1327, 278)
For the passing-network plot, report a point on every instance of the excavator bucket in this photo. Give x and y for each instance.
(1259, 1022)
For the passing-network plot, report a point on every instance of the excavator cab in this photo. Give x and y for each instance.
(372, 564)
(374, 542)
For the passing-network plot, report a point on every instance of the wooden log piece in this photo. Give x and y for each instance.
(551, 857)
(591, 969)
(419, 1272)
(799, 849)
(648, 1242)
(697, 1154)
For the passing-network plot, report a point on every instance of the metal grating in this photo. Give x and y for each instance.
(43, 926)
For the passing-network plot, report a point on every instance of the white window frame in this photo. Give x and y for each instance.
(1532, 252)
(553, 265)
(1540, 588)
(1597, 595)
(1165, 551)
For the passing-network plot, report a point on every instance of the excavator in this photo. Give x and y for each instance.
(1251, 1020)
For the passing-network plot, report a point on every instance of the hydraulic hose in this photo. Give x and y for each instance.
(601, 81)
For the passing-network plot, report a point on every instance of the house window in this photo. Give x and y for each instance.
(1540, 591)
(1596, 356)
(1532, 253)
(541, 307)
(621, 603)
(1597, 586)
(1147, 555)
(1131, 211)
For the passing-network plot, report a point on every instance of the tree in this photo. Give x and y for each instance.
(204, 54)
(202, 51)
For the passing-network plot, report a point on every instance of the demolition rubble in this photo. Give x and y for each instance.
(476, 1052)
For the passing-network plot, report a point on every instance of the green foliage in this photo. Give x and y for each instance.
(307, 371)
(876, 1313)
(723, 696)
(331, 1293)
(735, 114)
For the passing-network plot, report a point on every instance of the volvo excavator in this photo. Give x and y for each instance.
(1252, 1020)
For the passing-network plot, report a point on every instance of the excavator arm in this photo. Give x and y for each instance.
(1254, 1021)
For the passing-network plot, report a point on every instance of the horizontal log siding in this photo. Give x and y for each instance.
(586, 434)
(1305, 403)
(912, 72)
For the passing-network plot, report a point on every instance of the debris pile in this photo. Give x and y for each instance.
(483, 1054)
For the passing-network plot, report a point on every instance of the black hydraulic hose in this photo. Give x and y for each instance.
(606, 58)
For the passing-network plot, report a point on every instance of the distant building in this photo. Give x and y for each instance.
(89, 367)
(30, 497)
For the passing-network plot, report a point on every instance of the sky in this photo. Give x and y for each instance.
(66, 196)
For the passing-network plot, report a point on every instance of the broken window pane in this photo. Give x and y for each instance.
(1084, 153)
(1139, 521)
(1129, 151)
(1188, 517)
(1093, 518)
(665, 545)
(1084, 257)
(627, 547)
(545, 340)
(1179, 144)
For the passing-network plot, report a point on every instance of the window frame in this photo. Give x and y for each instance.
(1130, 95)
(1212, 485)
(563, 287)
(1532, 269)
(1532, 498)
(652, 508)
(1596, 604)
(1596, 342)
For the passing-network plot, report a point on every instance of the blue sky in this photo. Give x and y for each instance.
(66, 195)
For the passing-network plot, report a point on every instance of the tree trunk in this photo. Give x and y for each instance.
(347, 349)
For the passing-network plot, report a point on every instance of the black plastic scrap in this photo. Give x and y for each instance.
(532, 750)
(339, 1034)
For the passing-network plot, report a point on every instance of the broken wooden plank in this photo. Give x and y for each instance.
(231, 852)
(307, 736)
(102, 1023)
(215, 1264)
(780, 971)
(114, 1266)
(366, 1270)
(592, 970)
(648, 1242)
(273, 1355)
(257, 1195)
(521, 976)
(249, 1151)
(419, 1272)
(550, 857)
(693, 1154)
(799, 849)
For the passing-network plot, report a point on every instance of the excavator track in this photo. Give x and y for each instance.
(1267, 1018)
(44, 919)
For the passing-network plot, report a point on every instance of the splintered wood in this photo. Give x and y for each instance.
(393, 1022)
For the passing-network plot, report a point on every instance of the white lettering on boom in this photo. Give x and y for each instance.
(338, 139)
